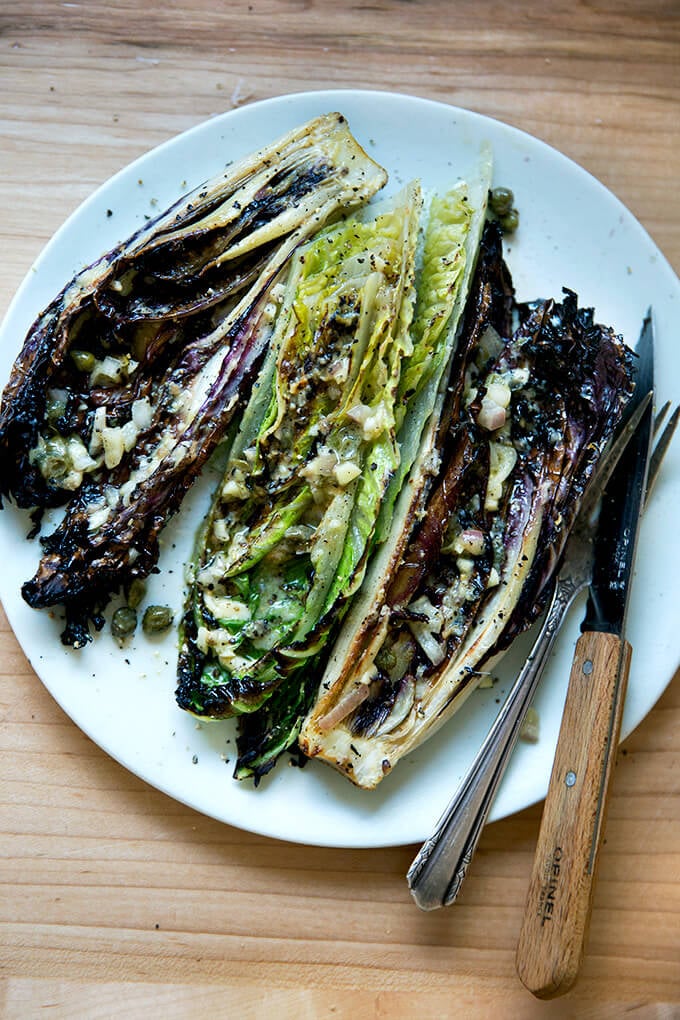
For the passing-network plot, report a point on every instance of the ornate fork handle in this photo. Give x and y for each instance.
(439, 869)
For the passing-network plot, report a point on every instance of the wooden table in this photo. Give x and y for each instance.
(117, 900)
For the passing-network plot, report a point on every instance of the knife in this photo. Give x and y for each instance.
(559, 902)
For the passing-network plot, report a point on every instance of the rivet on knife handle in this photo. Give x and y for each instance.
(559, 902)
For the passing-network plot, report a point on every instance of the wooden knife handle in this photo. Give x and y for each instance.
(559, 902)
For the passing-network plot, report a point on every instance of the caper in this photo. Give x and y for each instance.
(510, 222)
(83, 360)
(501, 201)
(136, 593)
(157, 619)
(124, 622)
(55, 448)
(55, 460)
(385, 659)
(54, 408)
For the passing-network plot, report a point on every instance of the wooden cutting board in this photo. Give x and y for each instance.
(117, 900)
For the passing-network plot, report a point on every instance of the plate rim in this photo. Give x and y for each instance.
(208, 125)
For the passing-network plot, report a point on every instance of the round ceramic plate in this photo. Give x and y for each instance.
(573, 233)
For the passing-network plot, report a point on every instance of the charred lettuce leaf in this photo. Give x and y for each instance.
(129, 379)
(357, 375)
(529, 415)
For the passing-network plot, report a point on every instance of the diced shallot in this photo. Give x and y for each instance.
(345, 705)
(491, 415)
(470, 541)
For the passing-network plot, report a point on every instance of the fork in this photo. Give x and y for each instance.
(439, 869)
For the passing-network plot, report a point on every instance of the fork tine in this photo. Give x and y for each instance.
(660, 415)
(661, 446)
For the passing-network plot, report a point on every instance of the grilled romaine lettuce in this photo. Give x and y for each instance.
(129, 379)
(527, 419)
(354, 375)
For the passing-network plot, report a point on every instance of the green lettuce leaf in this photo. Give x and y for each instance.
(302, 488)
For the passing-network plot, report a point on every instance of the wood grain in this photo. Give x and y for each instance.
(117, 900)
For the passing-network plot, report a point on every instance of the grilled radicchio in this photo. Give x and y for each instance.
(129, 379)
(355, 369)
(528, 418)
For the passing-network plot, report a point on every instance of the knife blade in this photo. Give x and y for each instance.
(616, 538)
(559, 901)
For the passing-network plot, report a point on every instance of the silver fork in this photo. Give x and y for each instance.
(438, 871)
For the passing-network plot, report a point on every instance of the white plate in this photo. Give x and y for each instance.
(573, 232)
